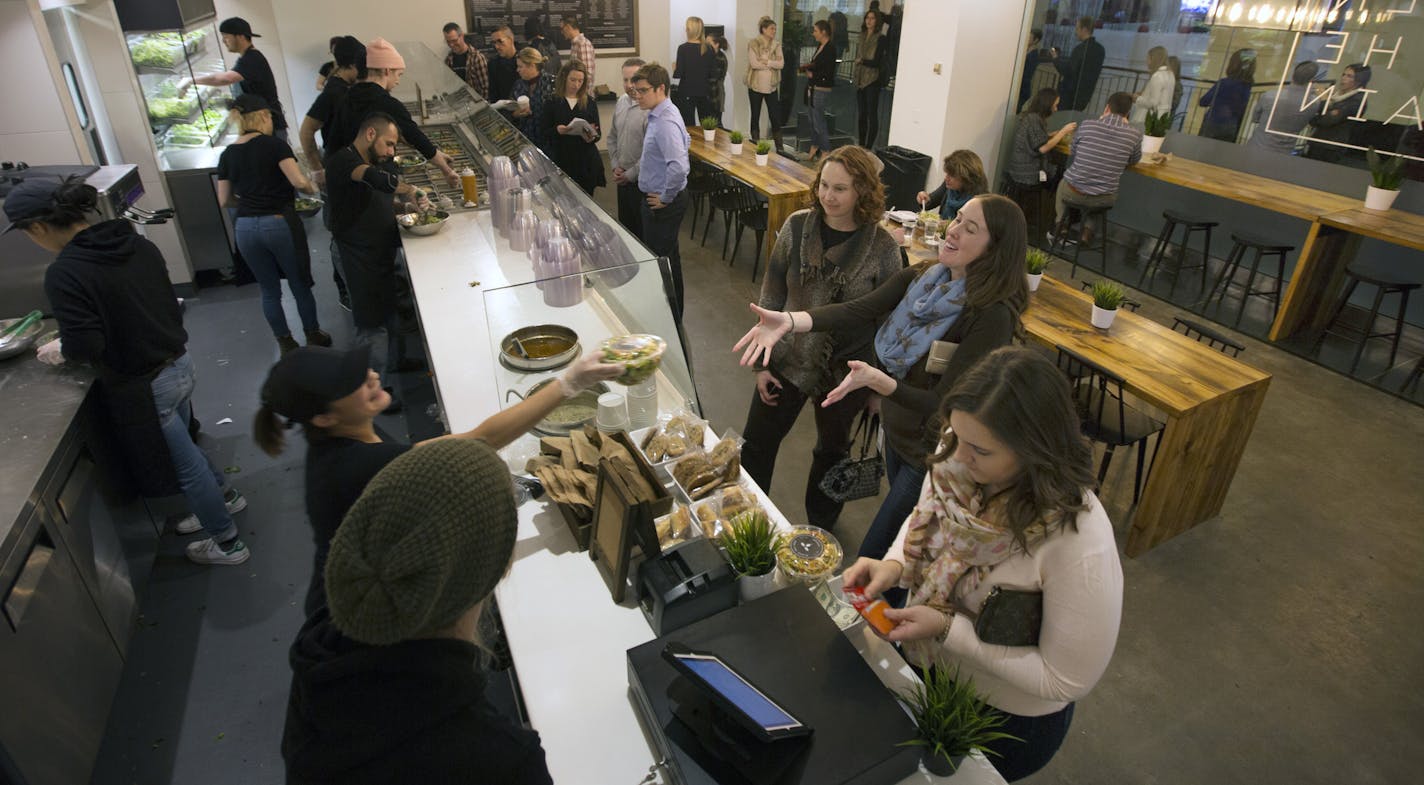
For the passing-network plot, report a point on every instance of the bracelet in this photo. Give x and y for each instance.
(793, 321)
(948, 624)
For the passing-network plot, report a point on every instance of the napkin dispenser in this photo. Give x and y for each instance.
(684, 584)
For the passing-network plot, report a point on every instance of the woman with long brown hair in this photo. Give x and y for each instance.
(1028, 155)
(938, 320)
(1008, 503)
(964, 179)
(575, 145)
(832, 252)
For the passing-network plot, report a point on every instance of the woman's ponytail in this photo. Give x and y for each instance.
(269, 431)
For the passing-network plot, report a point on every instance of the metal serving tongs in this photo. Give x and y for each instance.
(14, 331)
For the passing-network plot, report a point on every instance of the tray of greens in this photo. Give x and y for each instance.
(173, 108)
(157, 50)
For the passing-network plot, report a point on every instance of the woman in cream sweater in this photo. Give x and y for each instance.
(1158, 92)
(764, 64)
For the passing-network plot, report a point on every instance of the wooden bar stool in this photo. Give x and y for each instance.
(1088, 213)
(1241, 243)
(1385, 282)
(1171, 219)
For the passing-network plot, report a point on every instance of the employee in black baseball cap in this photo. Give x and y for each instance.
(335, 397)
(250, 74)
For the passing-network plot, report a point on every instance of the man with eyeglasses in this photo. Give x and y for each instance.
(502, 67)
(662, 172)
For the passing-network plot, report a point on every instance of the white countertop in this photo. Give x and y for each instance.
(568, 639)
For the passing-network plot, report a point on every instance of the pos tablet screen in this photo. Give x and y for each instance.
(732, 692)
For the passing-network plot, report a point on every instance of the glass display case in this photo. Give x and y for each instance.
(196, 120)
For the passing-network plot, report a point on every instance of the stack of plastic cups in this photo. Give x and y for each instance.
(502, 178)
(564, 288)
(643, 404)
(521, 230)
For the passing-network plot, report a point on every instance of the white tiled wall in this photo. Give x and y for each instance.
(33, 126)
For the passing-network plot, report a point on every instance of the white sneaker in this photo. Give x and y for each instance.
(208, 551)
(188, 524)
(234, 501)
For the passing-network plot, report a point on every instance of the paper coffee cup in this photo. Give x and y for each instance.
(523, 100)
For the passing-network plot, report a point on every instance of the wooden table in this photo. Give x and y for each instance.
(1210, 401)
(785, 183)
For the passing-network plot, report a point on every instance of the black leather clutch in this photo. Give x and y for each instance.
(1010, 617)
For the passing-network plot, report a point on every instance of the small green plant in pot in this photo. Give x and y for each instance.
(1035, 263)
(952, 719)
(736, 139)
(1154, 130)
(1107, 296)
(750, 542)
(1386, 176)
(709, 128)
(763, 151)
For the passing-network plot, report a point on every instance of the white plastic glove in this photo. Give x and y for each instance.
(51, 353)
(422, 202)
(586, 372)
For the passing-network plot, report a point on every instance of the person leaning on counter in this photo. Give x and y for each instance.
(1008, 504)
(387, 685)
(335, 396)
(250, 74)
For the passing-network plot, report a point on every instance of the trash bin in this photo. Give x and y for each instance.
(904, 176)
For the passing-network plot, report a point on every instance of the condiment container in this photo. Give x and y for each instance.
(469, 186)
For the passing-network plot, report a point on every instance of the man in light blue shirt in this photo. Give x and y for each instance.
(662, 172)
(625, 149)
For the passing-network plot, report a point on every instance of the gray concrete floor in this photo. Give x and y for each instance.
(1278, 643)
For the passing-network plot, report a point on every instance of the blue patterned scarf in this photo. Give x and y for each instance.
(929, 308)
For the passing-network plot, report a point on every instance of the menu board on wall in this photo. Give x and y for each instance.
(610, 24)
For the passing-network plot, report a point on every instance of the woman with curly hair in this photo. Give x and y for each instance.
(832, 252)
(964, 179)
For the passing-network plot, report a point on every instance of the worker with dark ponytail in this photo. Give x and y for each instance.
(335, 396)
(110, 292)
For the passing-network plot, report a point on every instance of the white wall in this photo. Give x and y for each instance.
(975, 45)
(34, 124)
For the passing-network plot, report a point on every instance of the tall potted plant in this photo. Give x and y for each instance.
(1154, 131)
(750, 542)
(1107, 296)
(736, 138)
(1386, 175)
(763, 152)
(709, 129)
(952, 721)
(1037, 262)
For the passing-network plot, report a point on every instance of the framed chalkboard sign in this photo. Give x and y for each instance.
(612, 25)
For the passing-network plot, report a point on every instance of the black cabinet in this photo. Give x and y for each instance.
(162, 14)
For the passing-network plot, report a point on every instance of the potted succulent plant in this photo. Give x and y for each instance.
(709, 129)
(1107, 296)
(736, 137)
(763, 152)
(750, 542)
(952, 719)
(1386, 175)
(1154, 131)
(1037, 262)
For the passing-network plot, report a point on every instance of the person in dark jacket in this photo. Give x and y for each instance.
(575, 146)
(502, 67)
(867, 77)
(1333, 123)
(386, 684)
(820, 79)
(936, 321)
(693, 70)
(535, 39)
(1227, 98)
(1081, 68)
(716, 80)
(116, 309)
(533, 92)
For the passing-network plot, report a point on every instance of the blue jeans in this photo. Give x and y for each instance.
(270, 250)
(820, 132)
(200, 479)
(906, 480)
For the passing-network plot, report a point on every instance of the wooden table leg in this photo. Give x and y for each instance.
(778, 209)
(1196, 458)
(1315, 284)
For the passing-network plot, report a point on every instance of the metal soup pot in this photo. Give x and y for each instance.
(570, 415)
(541, 347)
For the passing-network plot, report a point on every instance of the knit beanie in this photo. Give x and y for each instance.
(380, 54)
(429, 538)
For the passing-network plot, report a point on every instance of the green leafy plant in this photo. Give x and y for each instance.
(763, 147)
(751, 540)
(709, 123)
(1157, 124)
(794, 31)
(1387, 173)
(952, 719)
(1108, 295)
(737, 137)
(1037, 261)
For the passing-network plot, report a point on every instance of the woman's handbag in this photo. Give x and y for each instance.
(857, 478)
(1010, 617)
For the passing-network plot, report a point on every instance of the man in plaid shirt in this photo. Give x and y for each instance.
(467, 62)
(579, 46)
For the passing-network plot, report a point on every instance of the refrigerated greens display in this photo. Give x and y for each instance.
(167, 61)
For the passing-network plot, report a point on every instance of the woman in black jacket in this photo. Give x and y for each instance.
(693, 70)
(716, 81)
(116, 309)
(1333, 124)
(820, 78)
(575, 147)
(867, 80)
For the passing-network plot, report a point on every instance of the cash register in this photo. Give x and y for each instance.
(687, 582)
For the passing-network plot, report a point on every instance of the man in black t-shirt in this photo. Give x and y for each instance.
(502, 67)
(361, 183)
(465, 60)
(250, 74)
(349, 61)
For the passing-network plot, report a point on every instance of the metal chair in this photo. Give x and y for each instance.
(727, 200)
(753, 217)
(702, 179)
(1242, 242)
(1107, 418)
(1385, 282)
(1060, 237)
(1211, 337)
(1171, 220)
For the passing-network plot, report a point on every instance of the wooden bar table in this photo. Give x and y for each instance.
(785, 183)
(1210, 400)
